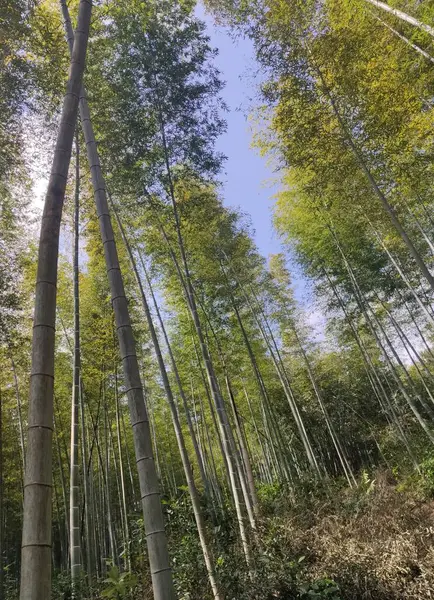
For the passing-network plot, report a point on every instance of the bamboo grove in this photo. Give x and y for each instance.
(162, 385)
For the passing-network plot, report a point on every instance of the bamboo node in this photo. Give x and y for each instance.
(43, 375)
(31, 483)
(147, 496)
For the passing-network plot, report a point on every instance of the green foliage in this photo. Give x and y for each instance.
(155, 101)
(187, 560)
(323, 588)
(118, 585)
(156, 73)
(269, 494)
(425, 482)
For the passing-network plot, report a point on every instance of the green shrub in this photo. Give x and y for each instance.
(322, 588)
(118, 585)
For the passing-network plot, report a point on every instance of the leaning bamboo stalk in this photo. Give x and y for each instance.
(335, 439)
(401, 273)
(245, 476)
(390, 210)
(343, 459)
(119, 522)
(371, 320)
(212, 411)
(224, 426)
(36, 539)
(127, 454)
(194, 496)
(268, 464)
(242, 478)
(412, 352)
(63, 484)
(198, 454)
(403, 16)
(158, 553)
(280, 370)
(416, 324)
(212, 469)
(405, 39)
(106, 470)
(227, 434)
(243, 448)
(124, 510)
(373, 376)
(336, 442)
(88, 500)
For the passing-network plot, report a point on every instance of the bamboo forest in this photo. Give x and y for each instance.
(214, 387)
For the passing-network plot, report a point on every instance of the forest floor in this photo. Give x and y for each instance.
(375, 542)
(372, 542)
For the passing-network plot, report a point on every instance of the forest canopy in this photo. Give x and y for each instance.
(172, 425)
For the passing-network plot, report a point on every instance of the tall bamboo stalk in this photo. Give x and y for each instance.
(63, 485)
(158, 553)
(36, 539)
(124, 509)
(74, 510)
(281, 372)
(227, 440)
(243, 447)
(106, 470)
(340, 451)
(88, 499)
(194, 496)
(198, 454)
(19, 411)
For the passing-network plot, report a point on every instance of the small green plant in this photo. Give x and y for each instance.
(426, 484)
(118, 584)
(322, 588)
(366, 485)
(269, 492)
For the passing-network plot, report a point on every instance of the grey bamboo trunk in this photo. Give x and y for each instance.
(156, 540)
(194, 496)
(36, 539)
(74, 510)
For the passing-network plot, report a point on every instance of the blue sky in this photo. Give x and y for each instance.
(248, 181)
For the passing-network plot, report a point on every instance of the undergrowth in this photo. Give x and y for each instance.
(321, 541)
(373, 542)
